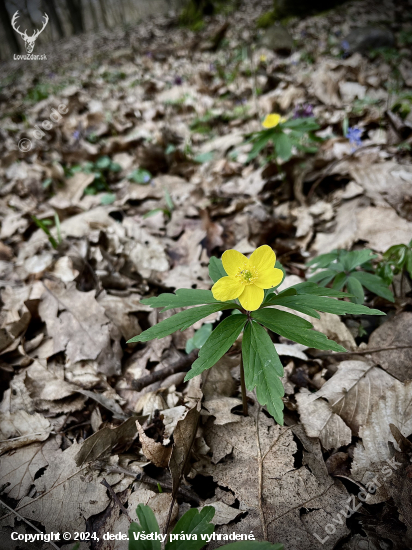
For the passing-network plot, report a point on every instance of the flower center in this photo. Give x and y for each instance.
(247, 274)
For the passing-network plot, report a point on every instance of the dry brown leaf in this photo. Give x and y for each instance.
(283, 502)
(320, 421)
(79, 326)
(64, 483)
(380, 236)
(105, 440)
(154, 451)
(184, 436)
(395, 333)
(22, 428)
(19, 468)
(353, 390)
(221, 409)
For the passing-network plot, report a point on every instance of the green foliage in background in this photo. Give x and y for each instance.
(397, 259)
(351, 270)
(297, 132)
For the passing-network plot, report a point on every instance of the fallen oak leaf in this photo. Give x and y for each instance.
(153, 450)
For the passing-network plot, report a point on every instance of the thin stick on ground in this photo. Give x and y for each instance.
(243, 387)
(2, 503)
(116, 499)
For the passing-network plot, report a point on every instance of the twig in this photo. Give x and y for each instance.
(116, 499)
(243, 387)
(260, 480)
(144, 478)
(28, 522)
(361, 352)
(181, 364)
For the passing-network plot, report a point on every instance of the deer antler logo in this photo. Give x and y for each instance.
(28, 40)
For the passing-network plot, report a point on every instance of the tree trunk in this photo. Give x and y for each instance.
(12, 38)
(54, 16)
(104, 13)
(76, 15)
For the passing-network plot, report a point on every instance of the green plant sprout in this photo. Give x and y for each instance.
(192, 532)
(44, 226)
(284, 135)
(249, 286)
(397, 259)
(102, 170)
(350, 270)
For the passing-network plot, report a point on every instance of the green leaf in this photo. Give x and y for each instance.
(204, 157)
(260, 141)
(218, 343)
(216, 269)
(108, 198)
(263, 369)
(323, 277)
(180, 321)
(140, 176)
(196, 523)
(356, 258)
(294, 328)
(373, 283)
(315, 290)
(253, 545)
(408, 263)
(148, 524)
(182, 298)
(323, 260)
(339, 307)
(103, 162)
(283, 146)
(339, 281)
(356, 289)
(200, 336)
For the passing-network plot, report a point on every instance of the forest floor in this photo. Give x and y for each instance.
(126, 193)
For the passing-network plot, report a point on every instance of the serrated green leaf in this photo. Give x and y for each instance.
(373, 283)
(323, 260)
(328, 305)
(356, 289)
(292, 327)
(148, 524)
(216, 269)
(196, 523)
(322, 277)
(315, 290)
(182, 298)
(263, 369)
(353, 259)
(218, 343)
(180, 321)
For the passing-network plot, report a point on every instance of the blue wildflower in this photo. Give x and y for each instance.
(303, 111)
(354, 136)
(76, 135)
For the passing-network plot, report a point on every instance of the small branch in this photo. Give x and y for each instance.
(181, 364)
(361, 352)
(2, 503)
(144, 478)
(243, 387)
(116, 499)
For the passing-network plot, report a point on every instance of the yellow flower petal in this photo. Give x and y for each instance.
(251, 297)
(226, 289)
(263, 258)
(271, 120)
(268, 278)
(232, 260)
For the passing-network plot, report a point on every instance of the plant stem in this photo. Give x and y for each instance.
(243, 386)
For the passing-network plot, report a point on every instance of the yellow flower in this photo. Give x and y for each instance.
(263, 58)
(273, 120)
(247, 278)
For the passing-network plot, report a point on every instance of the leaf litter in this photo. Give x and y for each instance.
(180, 194)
